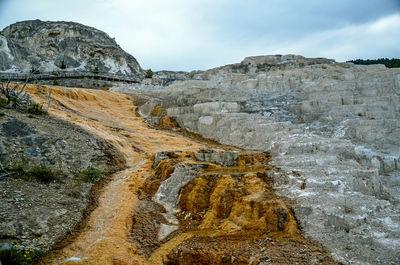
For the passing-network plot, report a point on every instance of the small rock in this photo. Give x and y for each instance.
(161, 156)
(73, 259)
(15, 127)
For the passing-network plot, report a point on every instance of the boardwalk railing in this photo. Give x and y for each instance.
(68, 75)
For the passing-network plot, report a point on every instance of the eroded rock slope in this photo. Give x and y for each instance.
(218, 207)
(181, 200)
(334, 128)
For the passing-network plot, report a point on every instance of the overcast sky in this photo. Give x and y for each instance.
(201, 34)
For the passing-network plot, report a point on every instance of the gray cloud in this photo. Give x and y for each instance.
(292, 18)
(187, 35)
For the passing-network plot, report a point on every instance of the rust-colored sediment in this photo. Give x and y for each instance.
(105, 240)
(229, 215)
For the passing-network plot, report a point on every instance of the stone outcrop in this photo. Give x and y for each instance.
(42, 46)
(334, 128)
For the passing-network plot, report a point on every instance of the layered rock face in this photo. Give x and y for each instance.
(334, 128)
(44, 45)
(217, 207)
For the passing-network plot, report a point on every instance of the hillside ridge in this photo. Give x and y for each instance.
(46, 46)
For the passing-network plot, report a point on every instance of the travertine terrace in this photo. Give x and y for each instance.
(332, 127)
(198, 192)
(274, 160)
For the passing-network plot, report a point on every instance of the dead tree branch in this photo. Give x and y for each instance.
(19, 98)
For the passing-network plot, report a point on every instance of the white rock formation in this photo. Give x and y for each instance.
(333, 129)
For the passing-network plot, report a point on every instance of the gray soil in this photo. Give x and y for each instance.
(39, 214)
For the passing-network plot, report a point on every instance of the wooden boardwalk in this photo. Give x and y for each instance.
(68, 75)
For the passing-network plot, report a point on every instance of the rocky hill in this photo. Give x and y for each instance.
(49, 46)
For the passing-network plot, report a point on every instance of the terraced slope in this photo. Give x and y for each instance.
(181, 200)
(333, 127)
